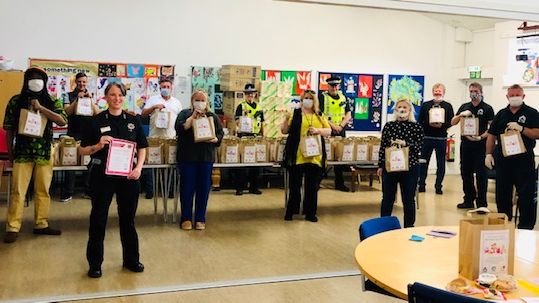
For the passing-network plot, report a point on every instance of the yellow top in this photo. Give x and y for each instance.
(308, 120)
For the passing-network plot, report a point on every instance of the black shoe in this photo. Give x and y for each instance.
(11, 236)
(439, 191)
(255, 191)
(149, 196)
(95, 272)
(134, 267)
(311, 218)
(239, 192)
(421, 189)
(342, 187)
(288, 217)
(465, 205)
(47, 231)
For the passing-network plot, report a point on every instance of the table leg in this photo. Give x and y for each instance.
(164, 175)
(175, 186)
(155, 182)
(286, 188)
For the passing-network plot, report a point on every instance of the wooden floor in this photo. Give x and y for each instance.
(246, 241)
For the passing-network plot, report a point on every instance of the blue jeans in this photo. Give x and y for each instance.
(408, 185)
(439, 147)
(195, 179)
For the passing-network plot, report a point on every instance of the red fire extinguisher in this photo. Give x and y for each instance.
(450, 149)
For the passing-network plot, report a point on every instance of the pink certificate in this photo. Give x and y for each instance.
(120, 157)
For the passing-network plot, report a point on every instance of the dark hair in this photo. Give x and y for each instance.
(477, 85)
(515, 86)
(119, 85)
(80, 75)
(165, 79)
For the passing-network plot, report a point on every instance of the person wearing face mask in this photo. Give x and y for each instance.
(162, 102)
(249, 108)
(472, 148)
(404, 131)
(305, 121)
(195, 161)
(75, 125)
(30, 156)
(337, 108)
(435, 137)
(517, 170)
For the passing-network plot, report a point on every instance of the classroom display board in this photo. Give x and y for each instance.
(522, 62)
(278, 91)
(405, 86)
(141, 80)
(208, 79)
(365, 95)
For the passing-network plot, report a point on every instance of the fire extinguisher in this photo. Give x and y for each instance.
(450, 149)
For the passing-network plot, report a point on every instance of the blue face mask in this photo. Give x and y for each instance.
(165, 92)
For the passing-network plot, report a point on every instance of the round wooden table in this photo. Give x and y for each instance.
(392, 261)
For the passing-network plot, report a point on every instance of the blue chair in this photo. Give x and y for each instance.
(375, 226)
(421, 293)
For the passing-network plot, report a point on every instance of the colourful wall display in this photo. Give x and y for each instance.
(208, 79)
(364, 93)
(405, 86)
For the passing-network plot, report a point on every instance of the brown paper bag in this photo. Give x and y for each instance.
(246, 125)
(281, 144)
(330, 150)
(512, 144)
(161, 119)
(310, 146)
(170, 148)
(204, 129)
(32, 124)
(396, 159)
(362, 150)
(469, 126)
(345, 150)
(229, 151)
(262, 153)
(68, 151)
(436, 114)
(486, 245)
(154, 151)
(84, 107)
(248, 151)
(55, 153)
(374, 147)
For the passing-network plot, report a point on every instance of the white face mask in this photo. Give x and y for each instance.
(402, 113)
(516, 101)
(36, 85)
(199, 105)
(308, 103)
(438, 98)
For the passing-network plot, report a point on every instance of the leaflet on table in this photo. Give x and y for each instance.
(494, 251)
(120, 157)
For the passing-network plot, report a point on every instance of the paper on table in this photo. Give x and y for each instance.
(441, 233)
(120, 157)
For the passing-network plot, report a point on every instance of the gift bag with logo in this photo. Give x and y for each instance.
(436, 114)
(162, 119)
(310, 146)
(248, 152)
(246, 125)
(262, 151)
(375, 151)
(68, 151)
(512, 144)
(469, 126)
(329, 149)
(362, 150)
(154, 152)
(486, 245)
(204, 129)
(345, 150)
(231, 153)
(170, 147)
(32, 124)
(84, 107)
(280, 150)
(396, 159)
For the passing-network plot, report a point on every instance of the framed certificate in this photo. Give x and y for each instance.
(120, 157)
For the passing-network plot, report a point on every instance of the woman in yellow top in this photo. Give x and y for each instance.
(305, 121)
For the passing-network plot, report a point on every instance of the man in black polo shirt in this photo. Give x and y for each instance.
(472, 148)
(517, 170)
(435, 137)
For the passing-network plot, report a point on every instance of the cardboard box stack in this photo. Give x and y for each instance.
(275, 98)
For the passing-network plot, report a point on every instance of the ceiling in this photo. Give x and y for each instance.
(469, 22)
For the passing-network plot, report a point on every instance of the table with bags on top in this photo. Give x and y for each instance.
(435, 260)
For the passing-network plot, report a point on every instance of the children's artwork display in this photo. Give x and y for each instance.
(405, 86)
(141, 80)
(364, 94)
(522, 62)
(208, 80)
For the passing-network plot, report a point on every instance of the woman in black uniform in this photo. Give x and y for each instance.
(113, 123)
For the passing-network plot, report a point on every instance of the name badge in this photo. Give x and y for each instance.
(105, 129)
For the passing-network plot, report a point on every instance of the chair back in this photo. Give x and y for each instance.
(375, 226)
(421, 293)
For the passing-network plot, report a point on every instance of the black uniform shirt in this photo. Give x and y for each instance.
(75, 123)
(124, 126)
(525, 116)
(431, 131)
(483, 111)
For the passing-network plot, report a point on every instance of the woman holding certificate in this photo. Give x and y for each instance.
(113, 138)
(402, 140)
(305, 155)
(199, 132)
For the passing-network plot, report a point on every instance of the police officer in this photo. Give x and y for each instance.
(472, 148)
(517, 170)
(249, 108)
(113, 123)
(337, 108)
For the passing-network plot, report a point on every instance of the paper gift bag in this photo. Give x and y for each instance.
(84, 107)
(396, 159)
(203, 129)
(310, 146)
(362, 151)
(469, 126)
(246, 125)
(85, 160)
(280, 150)
(154, 151)
(162, 119)
(32, 124)
(229, 150)
(375, 152)
(262, 154)
(248, 153)
(486, 245)
(55, 153)
(436, 114)
(330, 151)
(512, 144)
(345, 150)
(68, 152)
(170, 149)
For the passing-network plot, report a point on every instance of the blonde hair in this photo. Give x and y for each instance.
(411, 114)
(312, 93)
(515, 86)
(206, 98)
(437, 85)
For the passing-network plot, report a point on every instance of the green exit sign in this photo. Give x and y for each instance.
(475, 72)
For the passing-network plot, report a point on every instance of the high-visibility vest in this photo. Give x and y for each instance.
(248, 111)
(334, 108)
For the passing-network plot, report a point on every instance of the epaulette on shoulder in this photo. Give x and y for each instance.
(133, 114)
